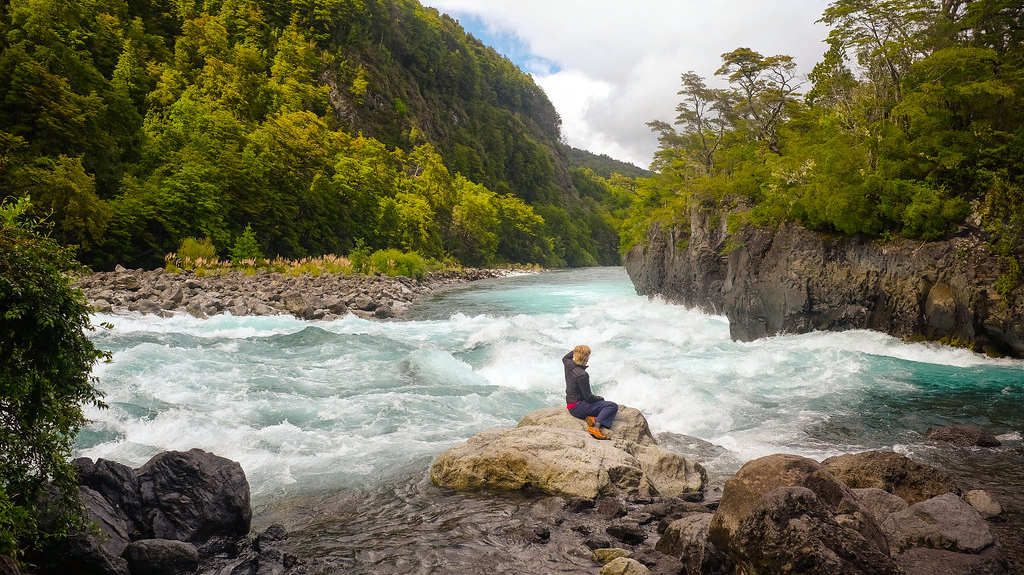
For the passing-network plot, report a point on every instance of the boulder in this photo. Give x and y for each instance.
(194, 496)
(162, 557)
(605, 556)
(944, 522)
(687, 539)
(983, 501)
(625, 566)
(962, 436)
(880, 502)
(746, 490)
(791, 530)
(554, 461)
(923, 561)
(550, 452)
(118, 485)
(109, 520)
(912, 481)
(630, 425)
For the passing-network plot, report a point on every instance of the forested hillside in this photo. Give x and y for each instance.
(911, 125)
(325, 125)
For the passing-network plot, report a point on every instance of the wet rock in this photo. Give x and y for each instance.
(162, 557)
(922, 561)
(626, 531)
(944, 522)
(118, 485)
(962, 436)
(912, 481)
(610, 508)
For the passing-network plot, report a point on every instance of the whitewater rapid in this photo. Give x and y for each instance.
(318, 406)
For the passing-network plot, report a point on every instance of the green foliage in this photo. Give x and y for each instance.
(135, 125)
(246, 247)
(393, 263)
(924, 126)
(193, 252)
(45, 364)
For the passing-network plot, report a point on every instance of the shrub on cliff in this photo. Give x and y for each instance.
(46, 362)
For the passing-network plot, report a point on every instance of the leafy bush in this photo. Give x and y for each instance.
(194, 253)
(396, 263)
(46, 361)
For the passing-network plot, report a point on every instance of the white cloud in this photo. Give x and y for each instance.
(609, 67)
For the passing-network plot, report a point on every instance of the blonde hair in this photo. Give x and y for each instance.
(580, 355)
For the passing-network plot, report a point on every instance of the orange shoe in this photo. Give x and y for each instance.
(596, 433)
(590, 421)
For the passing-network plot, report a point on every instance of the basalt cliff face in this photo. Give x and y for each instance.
(791, 280)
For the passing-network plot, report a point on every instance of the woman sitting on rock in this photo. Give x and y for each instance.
(579, 400)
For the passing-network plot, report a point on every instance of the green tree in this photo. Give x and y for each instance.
(46, 361)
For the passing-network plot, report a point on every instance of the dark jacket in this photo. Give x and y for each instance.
(577, 382)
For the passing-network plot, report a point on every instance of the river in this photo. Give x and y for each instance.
(336, 423)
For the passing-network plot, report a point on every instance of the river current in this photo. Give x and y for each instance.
(335, 423)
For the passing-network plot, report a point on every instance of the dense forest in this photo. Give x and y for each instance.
(320, 125)
(911, 125)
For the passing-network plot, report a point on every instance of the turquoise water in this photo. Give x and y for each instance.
(351, 405)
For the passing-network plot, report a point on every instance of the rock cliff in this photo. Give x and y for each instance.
(791, 280)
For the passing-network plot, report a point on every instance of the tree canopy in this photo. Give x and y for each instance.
(317, 125)
(913, 120)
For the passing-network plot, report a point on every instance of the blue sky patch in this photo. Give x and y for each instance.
(509, 45)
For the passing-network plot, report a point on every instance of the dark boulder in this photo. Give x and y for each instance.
(194, 496)
(944, 522)
(746, 490)
(118, 484)
(962, 436)
(792, 531)
(162, 557)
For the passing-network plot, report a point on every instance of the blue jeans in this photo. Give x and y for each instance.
(603, 411)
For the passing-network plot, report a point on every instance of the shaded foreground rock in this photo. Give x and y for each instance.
(307, 297)
(157, 519)
(550, 452)
(789, 514)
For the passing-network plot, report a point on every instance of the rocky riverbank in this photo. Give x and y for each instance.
(326, 296)
(791, 280)
(564, 502)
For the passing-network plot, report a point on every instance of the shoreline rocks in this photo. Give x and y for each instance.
(326, 296)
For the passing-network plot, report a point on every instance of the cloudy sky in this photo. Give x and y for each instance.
(611, 66)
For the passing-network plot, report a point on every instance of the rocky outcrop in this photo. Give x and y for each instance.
(172, 510)
(789, 514)
(551, 452)
(791, 280)
(326, 296)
